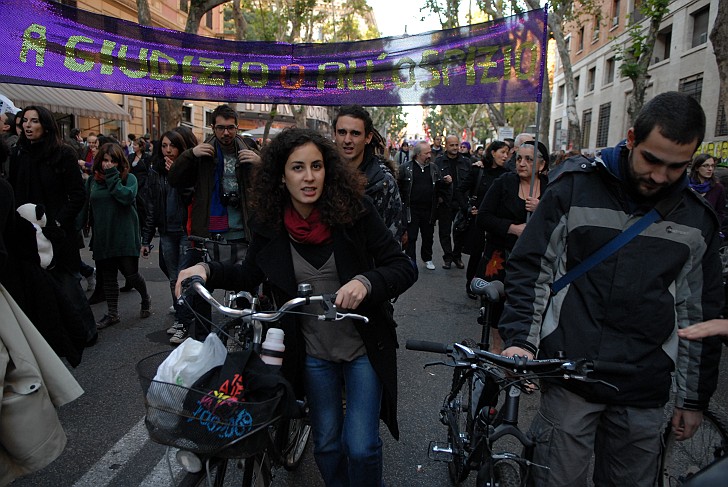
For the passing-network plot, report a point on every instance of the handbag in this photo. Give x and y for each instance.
(461, 222)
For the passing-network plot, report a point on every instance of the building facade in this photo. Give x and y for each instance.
(683, 60)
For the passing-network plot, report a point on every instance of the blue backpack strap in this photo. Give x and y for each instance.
(608, 249)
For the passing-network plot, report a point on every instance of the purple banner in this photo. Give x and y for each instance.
(50, 44)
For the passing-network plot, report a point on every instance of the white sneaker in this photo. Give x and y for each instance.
(430, 265)
(175, 328)
(179, 336)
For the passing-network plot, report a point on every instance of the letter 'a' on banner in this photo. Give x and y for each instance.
(50, 44)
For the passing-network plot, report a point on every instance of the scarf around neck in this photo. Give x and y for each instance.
(700, 188)
(309, 230)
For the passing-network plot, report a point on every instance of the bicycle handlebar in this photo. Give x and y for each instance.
(196, 284)
(522, 365)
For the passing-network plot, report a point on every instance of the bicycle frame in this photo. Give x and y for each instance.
(486, 423)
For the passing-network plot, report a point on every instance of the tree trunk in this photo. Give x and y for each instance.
(170, 114)
(555, 24)
(719, 38)
(646, 45)
(143, 13)
(241, 25)
(271, 116)
(299, 113)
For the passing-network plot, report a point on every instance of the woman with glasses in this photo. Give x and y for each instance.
(503, 215)
(704, 182)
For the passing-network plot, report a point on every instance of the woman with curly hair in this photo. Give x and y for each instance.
(312, 225)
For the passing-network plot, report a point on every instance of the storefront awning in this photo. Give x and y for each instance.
(61, 100)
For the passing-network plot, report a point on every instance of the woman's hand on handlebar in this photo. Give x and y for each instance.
(350, 295)
(195, 270)
(521, 352)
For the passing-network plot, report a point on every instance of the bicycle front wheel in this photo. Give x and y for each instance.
(257, 471)
(215, 473)
(456, 414)
(506, 475)
(683, 459)
(291, 438)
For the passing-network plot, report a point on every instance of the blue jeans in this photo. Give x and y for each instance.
(347, 448)
(171, 247)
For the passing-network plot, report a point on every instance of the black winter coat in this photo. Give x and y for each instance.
(52, 179)
(367, 248)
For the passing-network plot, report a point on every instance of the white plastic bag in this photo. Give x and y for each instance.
(191, 360)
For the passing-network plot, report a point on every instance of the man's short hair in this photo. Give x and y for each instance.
(678, 117)
(131, 137)
(356, 111)
(224, 111)
(75, 132)
(418, 148)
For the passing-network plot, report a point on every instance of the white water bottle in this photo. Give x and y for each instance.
(272, 349)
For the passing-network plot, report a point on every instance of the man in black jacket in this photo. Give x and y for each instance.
(419, 183)
(453, 167)
(627, 308)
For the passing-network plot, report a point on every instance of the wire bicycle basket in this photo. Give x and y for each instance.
(204, 422)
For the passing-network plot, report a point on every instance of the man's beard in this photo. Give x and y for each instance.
(633, 184)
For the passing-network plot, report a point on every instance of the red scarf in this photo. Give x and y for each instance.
(99, 176)
(309, 230)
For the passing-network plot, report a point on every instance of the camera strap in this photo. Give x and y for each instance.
(608, 249)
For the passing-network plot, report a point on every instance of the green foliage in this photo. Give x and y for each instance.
(389, 121)
(635, 53)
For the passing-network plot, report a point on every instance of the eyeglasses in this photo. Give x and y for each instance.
(708, 166)
(225, 128)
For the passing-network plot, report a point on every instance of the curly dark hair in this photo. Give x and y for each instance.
(340, 202)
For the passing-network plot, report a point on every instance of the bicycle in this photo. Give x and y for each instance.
(482, 405)
(683, 460)
(271, 442)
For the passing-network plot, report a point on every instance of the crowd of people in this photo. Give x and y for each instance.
(295, 211)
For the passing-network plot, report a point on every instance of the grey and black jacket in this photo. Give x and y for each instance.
(629, 307)
(383, 190)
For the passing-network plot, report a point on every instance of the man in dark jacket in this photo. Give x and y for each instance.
(453, 166)
(627, 308)
(219, 171)
(358, 142)
(419, 183)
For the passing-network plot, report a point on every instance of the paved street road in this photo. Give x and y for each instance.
(108, 443)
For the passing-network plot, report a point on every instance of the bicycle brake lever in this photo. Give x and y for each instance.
(440, 362)
(329, 307)
(592, 381)
(341, 316)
